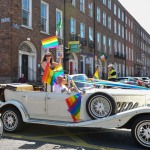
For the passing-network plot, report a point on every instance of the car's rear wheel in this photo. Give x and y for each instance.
(141, 131)
(12, 120)
(100, 105)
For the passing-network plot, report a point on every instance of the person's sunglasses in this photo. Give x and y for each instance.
(48, 55)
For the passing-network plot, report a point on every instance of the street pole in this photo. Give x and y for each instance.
(94, 35)
(64, 34)
(125, 40)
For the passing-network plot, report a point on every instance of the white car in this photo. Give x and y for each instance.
(97, 108)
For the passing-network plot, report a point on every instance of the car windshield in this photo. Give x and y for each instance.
(78, 79)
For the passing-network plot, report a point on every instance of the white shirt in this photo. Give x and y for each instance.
(59, 89)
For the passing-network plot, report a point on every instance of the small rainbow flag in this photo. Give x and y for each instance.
(51, 42)
(74, 105)
(96, 74)
(48, 74)
(56, 72)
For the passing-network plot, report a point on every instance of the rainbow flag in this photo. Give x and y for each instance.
(96, 74)
(51, 42)
(48, 74)
(56, 72)
(74, 105)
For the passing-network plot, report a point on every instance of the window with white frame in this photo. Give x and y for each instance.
(104, 43)
(132, 38)
(59, 28)
(109, 4)
(129, 54)
(126, 52)
(109, 46)
(115, 46)
(72, 26)
(98, 41)
(126, 20)
(126, 34)
(27, 13)
(82, 30)
(129, 36)
(119, 47)
(44, 17)
(104, 2)
(109, 22)
(104, 18)
(90, 6)
(118, 12)
(123, 49)
(115, 26)
(73, 2)
(122, 31)
(119, 33)
(129, 22)
(91, 33)
(115, 9)
(132, 55)
(122, 16)
(98, 14)
(82, 5)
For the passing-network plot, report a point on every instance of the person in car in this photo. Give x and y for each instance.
(60, 87)
(111, 73)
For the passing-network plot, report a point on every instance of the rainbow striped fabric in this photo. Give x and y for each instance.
(56, 72)
(51, 42)
(74, 105)
(96, 74)
(48, 74)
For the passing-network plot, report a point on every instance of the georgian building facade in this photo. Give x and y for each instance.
(88, 29)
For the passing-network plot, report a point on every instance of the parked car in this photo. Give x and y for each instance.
(140, 81)
(94, 108)
(146, 80)
(126, 80)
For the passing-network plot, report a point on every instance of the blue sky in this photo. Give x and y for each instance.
(140, 10)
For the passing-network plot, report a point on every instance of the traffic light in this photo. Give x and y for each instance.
(66, 54)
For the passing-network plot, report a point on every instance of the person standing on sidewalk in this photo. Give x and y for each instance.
(111, 73)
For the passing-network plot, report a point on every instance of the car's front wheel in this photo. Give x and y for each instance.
(141, 131)
(12, 120)
(100, 105)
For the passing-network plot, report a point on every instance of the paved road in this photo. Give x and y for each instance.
(43, 137)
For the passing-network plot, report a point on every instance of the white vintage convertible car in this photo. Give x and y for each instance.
(98, 107)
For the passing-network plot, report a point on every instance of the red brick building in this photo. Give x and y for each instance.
(88, 28)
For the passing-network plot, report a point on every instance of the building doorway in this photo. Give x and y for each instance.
(27, 61)
(24, 68)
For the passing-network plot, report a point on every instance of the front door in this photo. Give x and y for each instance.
(25, 65)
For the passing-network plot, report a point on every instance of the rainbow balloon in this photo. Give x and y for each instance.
(51, 42)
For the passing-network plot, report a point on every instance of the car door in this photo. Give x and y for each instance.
(57, 108)
(35, 103)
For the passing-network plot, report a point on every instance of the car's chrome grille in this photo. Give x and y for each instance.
(123, 106)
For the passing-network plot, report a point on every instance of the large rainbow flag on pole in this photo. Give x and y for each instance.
(51, 42)
(96, 74)
(74, 104)
(48, 74)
